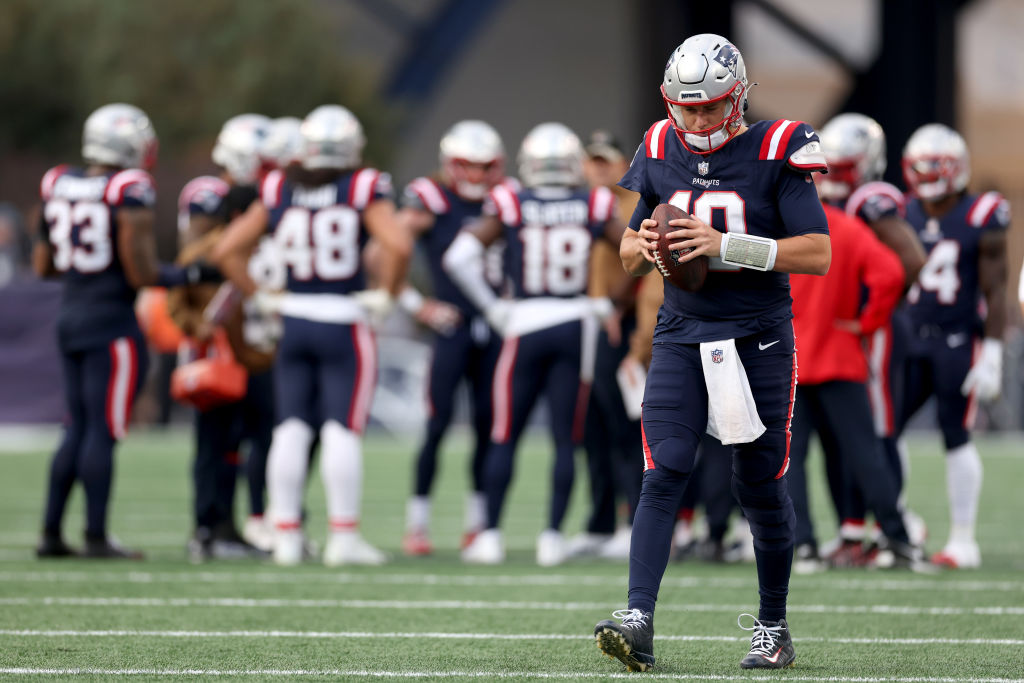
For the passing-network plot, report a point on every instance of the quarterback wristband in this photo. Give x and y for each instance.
(749, 251)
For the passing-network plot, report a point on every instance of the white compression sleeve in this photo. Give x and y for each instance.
(464, 262)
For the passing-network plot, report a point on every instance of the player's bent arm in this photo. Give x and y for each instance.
(231, 254)
(136, 246)
(897, 234)
(415, 221)
(636, 248)
(395, 243)
(806, 254)
(992, 279)
(464, 260)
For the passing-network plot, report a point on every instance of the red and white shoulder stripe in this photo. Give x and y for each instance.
(776, 140)
(119, 182)
(431, 195)
(270, 189)
(981, 212)
(200, 184)
(507, 202)
(360, 187)
(873, 189)
(654, 140)
(49, 180)
(601, 205)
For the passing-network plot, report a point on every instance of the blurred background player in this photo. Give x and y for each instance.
(549, 326)
(956, 353)
(97, 234)
(321, 216)
(472, 160)
(611, 437)
(830, 321)
(855, 148)
(754, 212)
(221, 431)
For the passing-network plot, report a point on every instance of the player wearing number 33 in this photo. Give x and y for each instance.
(320, 217)
(723, 358)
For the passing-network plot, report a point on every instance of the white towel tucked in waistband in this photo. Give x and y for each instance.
(530, 315)
(322, 308)
(732, 414)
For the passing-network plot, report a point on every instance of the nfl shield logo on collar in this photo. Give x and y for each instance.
(703, 168)
(717, 356)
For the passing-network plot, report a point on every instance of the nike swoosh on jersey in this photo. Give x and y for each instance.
(762, 347)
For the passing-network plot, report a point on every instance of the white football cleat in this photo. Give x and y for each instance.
(348, 547)
(917, 530)
(617, 547)
(487, 548)
(551, 548)
(958, 555)
(288, 547)
(257, 533)
(585, 544)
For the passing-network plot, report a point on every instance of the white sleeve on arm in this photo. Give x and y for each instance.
(464, 263)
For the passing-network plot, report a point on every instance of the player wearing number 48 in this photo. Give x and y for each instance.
(97, 235)
(321, 215)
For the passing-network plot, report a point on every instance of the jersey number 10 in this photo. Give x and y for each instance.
(730, 203)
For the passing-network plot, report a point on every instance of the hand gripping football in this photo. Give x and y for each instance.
(688, 276)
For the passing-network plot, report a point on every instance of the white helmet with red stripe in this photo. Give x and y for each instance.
(472, 159)
(119, 135)
(935, 162)
(705, 69)
(332, 137)
(239, 147)
(551, 154)
(283, 145)
(854, 147)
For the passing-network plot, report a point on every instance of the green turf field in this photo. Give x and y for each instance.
(432, 619)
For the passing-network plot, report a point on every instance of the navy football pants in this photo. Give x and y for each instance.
(470, 352)
(674, 420)
(100, 385)
(936, 368)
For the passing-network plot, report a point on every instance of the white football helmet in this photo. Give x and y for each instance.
(283, 145)
(551, 154)
(119, 135)
(239, 147)
(472, 142)
(704, 69)
(854, 147)
(935, 162)
(332, 137)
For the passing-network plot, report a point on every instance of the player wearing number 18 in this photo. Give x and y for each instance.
(723, 357)
(320, 217)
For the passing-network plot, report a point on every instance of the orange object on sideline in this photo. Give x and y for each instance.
(155, 321)
(213, 380)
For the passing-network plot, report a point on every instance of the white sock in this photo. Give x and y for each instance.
(341, 466)
(963, 482)
(417, 514)
(286, 471)
(476, 511)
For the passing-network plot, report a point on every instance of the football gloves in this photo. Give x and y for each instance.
(984, 379)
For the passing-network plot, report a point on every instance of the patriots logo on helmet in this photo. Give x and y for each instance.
(727, 57)
(717, 355)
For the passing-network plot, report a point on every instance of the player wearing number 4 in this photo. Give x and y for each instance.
(549, 327)
(321, 216)
(724, 356)
(96, 233)
(954, 354)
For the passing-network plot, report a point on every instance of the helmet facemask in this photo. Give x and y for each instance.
(933, 177)
(707, 140)
(472, 180)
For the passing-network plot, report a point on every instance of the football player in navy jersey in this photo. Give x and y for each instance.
(549, 326)
(97, 234)
(321, 216)
(955, 355)
(472, 162)
(724, 357)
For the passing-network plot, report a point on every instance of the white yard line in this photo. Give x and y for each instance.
(874, 582)
(39, 633)
(362, 673)
(71, 601)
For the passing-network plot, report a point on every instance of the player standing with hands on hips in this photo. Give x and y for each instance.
(724, 358)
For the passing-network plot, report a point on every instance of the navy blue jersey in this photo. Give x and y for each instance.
(451, 214)
(759, 183)
(876, 200)
(548, 234)
(319, 232)
(946, 293)
(80, 223)
(202, 196)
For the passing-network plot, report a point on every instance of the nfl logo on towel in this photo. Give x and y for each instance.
(717, 356)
